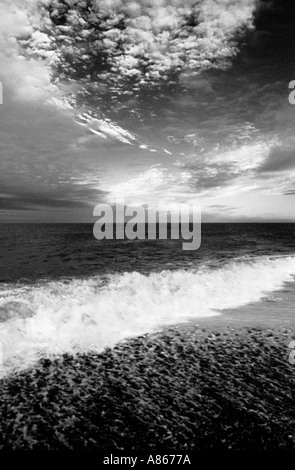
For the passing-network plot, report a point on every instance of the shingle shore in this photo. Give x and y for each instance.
(185, 389)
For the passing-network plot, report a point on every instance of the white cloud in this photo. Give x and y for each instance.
(106, 129)
(143, 40)
(26, 78)
(156, 185)
(215, 176)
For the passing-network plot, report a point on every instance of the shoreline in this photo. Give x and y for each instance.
(192, 388)
(273, 312)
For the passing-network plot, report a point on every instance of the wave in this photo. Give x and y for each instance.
(83, 315)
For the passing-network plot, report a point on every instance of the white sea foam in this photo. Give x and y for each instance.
(91, 314)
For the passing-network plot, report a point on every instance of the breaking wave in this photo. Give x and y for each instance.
(83, 315)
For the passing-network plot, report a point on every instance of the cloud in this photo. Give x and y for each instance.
(26, 72)
(212, 175)
(58, 192)
(27, 78)
(39, 168)
(93, 55)
(156, 185)
(132, 44)
(36, 201)
(165, 110)
(105, 129)
(280, 158)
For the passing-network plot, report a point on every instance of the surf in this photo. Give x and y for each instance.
(83, 315)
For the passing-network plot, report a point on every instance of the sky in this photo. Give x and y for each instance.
(162, 102)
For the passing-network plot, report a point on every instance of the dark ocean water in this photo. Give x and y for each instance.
(61, 290)
(30, 252)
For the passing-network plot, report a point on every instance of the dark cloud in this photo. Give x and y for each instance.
(37, 201)
(222, 208)
(58, 198)
(279, 159)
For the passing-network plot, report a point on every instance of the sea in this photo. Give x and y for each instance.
(63, 291)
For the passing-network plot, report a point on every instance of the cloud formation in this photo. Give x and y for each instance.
(27, 77)
(163, 100)
(101, 54)
(280, 158)
(105, 129)
(126, 45)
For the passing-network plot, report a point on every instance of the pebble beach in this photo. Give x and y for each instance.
(188, 388)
